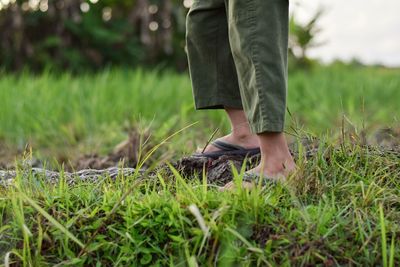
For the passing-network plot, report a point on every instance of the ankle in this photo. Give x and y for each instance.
(241, 131)
(242, 135)
(276, 165)
(273, 142)
(272, 137)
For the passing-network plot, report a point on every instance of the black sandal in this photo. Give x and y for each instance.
(228, 149)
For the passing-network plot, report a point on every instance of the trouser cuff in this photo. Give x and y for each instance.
(218, 103)
(262, 127)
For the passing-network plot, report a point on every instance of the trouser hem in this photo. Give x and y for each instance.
(270, 126)
(218, 103)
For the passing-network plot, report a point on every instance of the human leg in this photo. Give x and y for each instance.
(258, 34)
(212, 69)
(240, 134)
(276, 161)
(258, 31)
(211, 66)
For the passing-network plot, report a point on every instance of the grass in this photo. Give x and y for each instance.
(60, 114)
(342, 207)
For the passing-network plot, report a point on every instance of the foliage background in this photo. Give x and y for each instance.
(77, 35)
(88, 35)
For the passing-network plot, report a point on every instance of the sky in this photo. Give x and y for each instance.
(368, 30)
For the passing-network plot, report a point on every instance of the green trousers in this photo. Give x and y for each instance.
(237, 53)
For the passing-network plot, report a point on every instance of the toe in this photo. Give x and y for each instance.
(227, 187)
(231, 186)
(247, 185)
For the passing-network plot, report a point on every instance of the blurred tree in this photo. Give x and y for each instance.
(90, 34)
(303, 37)
(79, 34)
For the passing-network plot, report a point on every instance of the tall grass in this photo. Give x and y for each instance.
(341, 209)
(94, 109)
(366, 96)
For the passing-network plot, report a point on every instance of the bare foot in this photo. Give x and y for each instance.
(276, 161)
(281, 177)
(231, 186)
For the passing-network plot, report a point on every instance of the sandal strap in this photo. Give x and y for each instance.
(224, 146)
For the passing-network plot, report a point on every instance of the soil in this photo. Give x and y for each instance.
(219, 171)
(126, 152)
(7, 155)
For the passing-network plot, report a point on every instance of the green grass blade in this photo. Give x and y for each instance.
(383, 236)
(391, 256)
(52, 220)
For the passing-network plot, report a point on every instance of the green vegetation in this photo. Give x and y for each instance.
(82, 35)
(341, 208)
(89, 35)
(93, 110)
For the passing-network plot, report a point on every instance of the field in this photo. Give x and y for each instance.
(341, 208)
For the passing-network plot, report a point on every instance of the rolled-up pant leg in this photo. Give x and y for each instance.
(258, 34)
(211, 65)
(255, 34)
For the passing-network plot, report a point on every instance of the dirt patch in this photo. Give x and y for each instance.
(262, 233)
(388, 138)
(126, 152)
(7, 155)
(218, 171)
